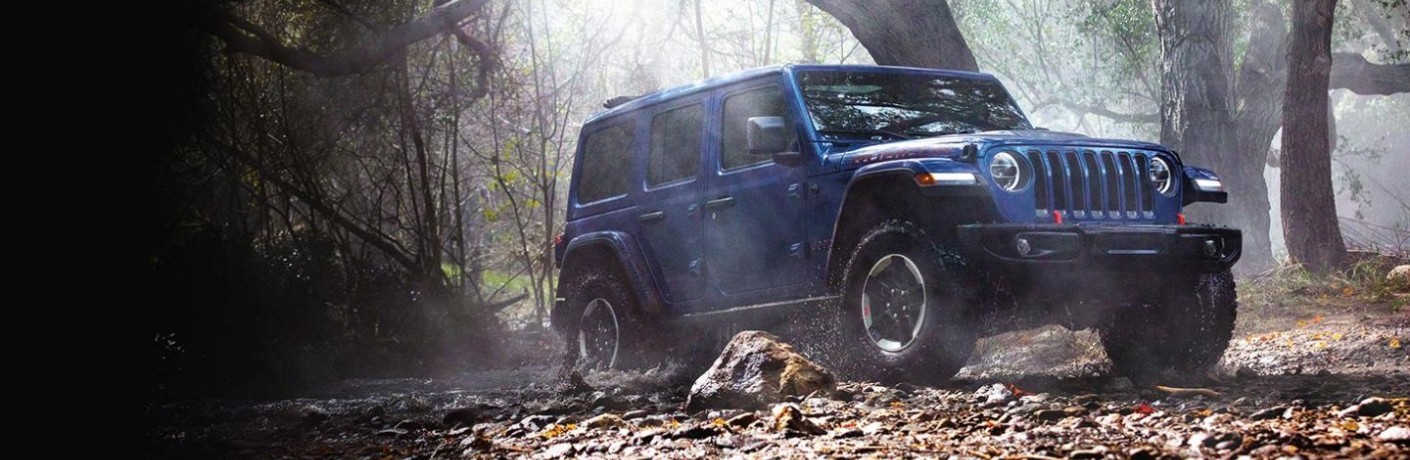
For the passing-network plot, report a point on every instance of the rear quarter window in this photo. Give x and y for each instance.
(607, 159)
(675, 145)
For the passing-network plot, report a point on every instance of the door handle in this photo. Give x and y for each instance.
(720, 203)
(652, 217)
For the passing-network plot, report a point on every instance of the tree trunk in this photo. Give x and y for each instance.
(1197, 117)
(808, 32)
(917, 33)
(704, 45)
(1260, 84)
(1308, 201)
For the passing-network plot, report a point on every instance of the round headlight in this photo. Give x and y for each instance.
(1160, 176)
(1008, 171)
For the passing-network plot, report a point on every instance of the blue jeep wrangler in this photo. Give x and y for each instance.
(911, 210)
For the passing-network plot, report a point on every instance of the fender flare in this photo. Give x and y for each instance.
(903, 170)
(628, 255)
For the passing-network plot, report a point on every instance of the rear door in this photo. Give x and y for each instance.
(669, 212)
(754, 213)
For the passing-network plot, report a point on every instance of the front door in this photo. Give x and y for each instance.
(754, 207)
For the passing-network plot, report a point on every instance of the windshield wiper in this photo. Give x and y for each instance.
(865, 132)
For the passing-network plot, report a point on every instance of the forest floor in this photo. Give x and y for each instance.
(1307, 375)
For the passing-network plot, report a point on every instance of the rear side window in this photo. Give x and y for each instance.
(734, 136)
(607, 159)
(675, 145)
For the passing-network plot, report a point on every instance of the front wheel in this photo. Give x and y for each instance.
(1185, 332)
(904, 307)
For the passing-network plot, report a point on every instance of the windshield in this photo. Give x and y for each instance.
(872, 104)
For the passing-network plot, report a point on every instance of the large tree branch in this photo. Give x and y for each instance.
(243, 37)
(1082, 109)
(917, 33)
(1352, 71)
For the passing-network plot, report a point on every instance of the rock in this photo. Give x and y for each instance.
(1399, 277)
(463, 416)
(757, 369)
(1087, 454)
(572, 383)
(1141, 453)
(695, 432)
(1395, 434)
(1201, 440)
(1050, 415)
(473, 444)
(1371, 407)
(1269, 413)
(312, 415)
(995, 394)
(559, 450)
(634, 414)
(787, 417)
(535, 422)
(609, 402)
(604, 421)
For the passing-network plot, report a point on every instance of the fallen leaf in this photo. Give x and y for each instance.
(1348, 292)
(1144, 409)
(1336, 336)
(1350, 425)
(1395, 342)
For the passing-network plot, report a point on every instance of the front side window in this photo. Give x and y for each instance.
(850, 105)
(607, 159)
(734, 135)
(675, 145)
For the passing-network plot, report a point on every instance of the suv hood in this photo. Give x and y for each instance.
(953, 144)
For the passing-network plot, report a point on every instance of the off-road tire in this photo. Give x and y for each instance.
(945, 337)
(637, 335)
(1183, 333)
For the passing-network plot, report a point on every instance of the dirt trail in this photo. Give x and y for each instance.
(1283, 389)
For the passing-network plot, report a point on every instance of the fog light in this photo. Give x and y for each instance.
(1210, 248)
(1023, 247)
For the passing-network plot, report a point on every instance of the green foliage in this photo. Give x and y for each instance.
(1350, 181)
(1362, 282)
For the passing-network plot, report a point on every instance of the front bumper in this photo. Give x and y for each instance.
(1084, 246)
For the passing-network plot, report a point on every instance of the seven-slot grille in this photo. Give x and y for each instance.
(1092, 183)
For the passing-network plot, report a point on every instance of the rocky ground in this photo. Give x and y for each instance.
(1293, 384)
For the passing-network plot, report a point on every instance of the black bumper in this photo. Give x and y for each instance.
(1078, 247)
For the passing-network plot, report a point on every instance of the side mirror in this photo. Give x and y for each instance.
(770, 136)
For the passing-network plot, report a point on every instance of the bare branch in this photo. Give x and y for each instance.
(243, 37)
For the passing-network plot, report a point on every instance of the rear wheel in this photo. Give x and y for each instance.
(1185, 332)
(603, 325)
(904, 308)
